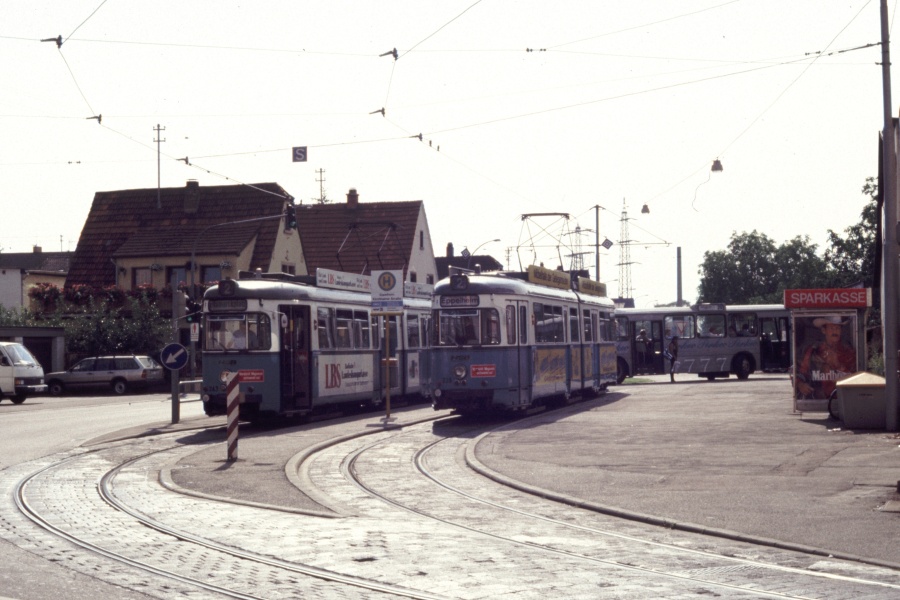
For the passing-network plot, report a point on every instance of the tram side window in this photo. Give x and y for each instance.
(426, 331)
(622, 329)
(682, 326)
(343, 323)
(711, 325)
(574, 329)
(590, 325)
(361, 337)
(523, 325)
(510, 324)
(324, 326)
(413, 339)
(548, 323)
(742, 325)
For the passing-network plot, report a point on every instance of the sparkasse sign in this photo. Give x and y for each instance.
(828, 298)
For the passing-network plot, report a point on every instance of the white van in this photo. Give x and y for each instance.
(20, 373)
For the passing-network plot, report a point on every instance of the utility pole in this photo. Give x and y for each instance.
(321, 180)
(158, 141)
(890, 259)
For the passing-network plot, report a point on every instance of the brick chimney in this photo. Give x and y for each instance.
(352, 198)
(36, 249)
(449, 249)
(191, 197)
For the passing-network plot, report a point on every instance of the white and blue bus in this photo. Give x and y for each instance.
(299, 343)
(510, 341)
(714, 340)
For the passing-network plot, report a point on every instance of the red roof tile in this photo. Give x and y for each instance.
(358, 239)
(129, 223)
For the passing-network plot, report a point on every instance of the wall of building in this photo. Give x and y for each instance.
(421, 261)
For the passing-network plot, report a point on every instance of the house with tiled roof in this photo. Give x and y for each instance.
(21, 271)
(465, 262)
(149, 236)
(361, 237)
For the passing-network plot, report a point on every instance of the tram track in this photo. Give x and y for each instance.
(717, 578)
(218, 552)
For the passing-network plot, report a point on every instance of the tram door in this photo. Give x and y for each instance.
(775, 343)
(517, 328)
(295, 357)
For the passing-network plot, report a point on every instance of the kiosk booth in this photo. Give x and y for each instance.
(828, 342)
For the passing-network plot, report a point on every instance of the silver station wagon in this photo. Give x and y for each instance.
(118, 373)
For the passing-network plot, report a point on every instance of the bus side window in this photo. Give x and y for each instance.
(510, 324)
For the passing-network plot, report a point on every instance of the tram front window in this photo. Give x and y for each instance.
(469, 327)
(238, 332)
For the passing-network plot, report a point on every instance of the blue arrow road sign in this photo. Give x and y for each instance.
(174, 356)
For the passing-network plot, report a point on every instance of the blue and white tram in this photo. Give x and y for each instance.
(504, 342)
(297, 346)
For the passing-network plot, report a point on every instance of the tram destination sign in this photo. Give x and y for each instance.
(467, 301)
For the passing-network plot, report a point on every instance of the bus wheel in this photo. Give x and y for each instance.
(743, 366)
(621, 371)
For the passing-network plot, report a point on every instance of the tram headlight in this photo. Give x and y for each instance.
(459, 371)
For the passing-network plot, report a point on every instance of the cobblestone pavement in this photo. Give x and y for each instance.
(388, 523)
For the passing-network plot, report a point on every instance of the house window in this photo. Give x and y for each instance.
(289, 269)
(179, 274)
(210, 273)
(421, 240)
(429, 279)
(412, 277)
(141, 276)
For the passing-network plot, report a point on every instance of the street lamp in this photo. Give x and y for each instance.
(469, 263)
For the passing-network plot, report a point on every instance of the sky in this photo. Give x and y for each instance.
(521, 121)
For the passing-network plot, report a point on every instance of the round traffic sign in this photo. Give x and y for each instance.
(174, 356)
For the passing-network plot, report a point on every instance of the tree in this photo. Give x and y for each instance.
(745, 273)
(853, 258)
(755, 271)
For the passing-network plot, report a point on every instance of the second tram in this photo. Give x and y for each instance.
(503, 341)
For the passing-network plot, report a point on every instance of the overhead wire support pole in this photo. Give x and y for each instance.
(158, 141)
(890, 260)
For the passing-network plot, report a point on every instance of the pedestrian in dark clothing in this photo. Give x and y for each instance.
(672, 355)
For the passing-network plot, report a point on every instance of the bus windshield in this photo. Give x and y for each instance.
(468, 327)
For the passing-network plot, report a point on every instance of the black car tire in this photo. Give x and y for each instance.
(119, 386)
(56, 388)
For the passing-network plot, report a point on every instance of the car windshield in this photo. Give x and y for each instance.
(19, 355)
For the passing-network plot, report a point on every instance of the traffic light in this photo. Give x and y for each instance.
(193, 311)
(290, 218)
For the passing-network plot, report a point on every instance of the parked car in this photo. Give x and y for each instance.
(119, 373)
(20, 373)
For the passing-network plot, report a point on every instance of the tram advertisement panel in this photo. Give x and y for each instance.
(826, 348)
(607, 363)
(549, 365)
(345, 374)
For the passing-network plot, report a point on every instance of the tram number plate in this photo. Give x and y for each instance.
(484, 370)
(251, 375)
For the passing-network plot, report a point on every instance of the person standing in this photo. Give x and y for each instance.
(642, 345)
(672, 355)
